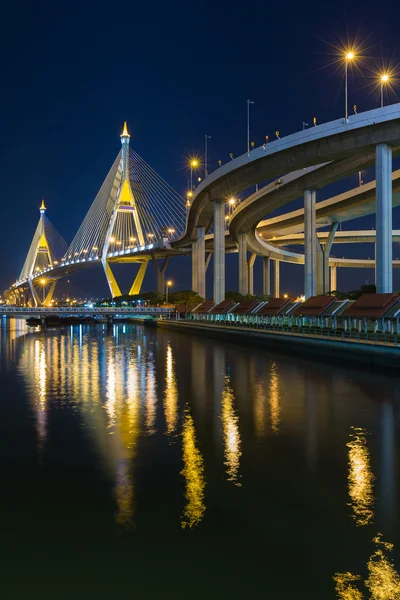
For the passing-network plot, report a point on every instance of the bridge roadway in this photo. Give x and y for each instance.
(347, 146)
(313, 158)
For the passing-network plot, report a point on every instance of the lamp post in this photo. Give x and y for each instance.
(384, 79)
(206, 138)
(248, 123)
(194, 163)
(167, 286)
(349, 56)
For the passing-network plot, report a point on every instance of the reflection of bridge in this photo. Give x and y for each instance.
(112, 230)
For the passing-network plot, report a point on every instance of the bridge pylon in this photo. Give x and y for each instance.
(125, 208)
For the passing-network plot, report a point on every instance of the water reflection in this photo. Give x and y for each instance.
(274, 400)
(151, 397)
(383, 582)
(193, 472)
(40, 374)
(171, 394)
(232, 442)
(360, 478)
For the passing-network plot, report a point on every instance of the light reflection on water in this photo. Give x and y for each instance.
(170, 422)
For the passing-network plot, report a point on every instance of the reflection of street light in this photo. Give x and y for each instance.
(349, 56)
(167, 286)
(384, 79)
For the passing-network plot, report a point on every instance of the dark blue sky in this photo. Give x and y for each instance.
(73, 72)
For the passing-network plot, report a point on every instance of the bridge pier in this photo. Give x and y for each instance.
(219, 251)
(266, 276)
(250, 267)
(243, 271)
(322, 261)
(277, 291)
(333, 279)
(110, 322)
(199, 263)
(384, 245)
(161, 274)
(310, 244)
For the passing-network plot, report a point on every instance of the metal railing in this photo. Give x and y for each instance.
(153, 310)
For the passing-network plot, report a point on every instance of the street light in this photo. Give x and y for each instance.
(206, 138)
(194, 163)
(248, 123)
(384, 79)
(348, 57)
(167, 286)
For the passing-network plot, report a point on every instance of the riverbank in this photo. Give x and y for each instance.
(363, 353)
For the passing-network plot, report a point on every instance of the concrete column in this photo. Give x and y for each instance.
(160, 271)
(195, 263)
(266, 276)
(219, 251)
(198, 263)
(250, 267)
(384, 246)
(310, 247)
(322, 263)
(243, 274)
(277, 291)
(333, 279)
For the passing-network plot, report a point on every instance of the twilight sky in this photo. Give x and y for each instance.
(72, 72)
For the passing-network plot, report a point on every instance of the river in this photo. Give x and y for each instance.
(139, 462)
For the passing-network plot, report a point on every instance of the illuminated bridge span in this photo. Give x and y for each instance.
(133, 219)
(137, 217)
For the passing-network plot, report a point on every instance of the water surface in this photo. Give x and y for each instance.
(156, 464)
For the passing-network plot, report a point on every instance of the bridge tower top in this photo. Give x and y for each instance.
(42, 208)
(125, 137)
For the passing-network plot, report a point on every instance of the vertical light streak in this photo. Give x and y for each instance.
(171, 394)
(274, 399)
(232, 442)
(193, 471)
(360, 478)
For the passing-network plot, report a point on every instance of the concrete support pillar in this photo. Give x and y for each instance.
(250, 268)
(243, 273)
(195, 263)
(384, 246)
(310, 246)
(219, 251)
(201, 262)
(160, 270)
(333, 279)
(322, 264)
(266, 276)
(277, 291)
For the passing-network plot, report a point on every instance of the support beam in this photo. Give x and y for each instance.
(112, 282)
(322, 263)
(208, 258)
(198, 263)
(243, 271)
(310, 247)
(219, 251)
(333, 279)
(160, 271)
(384, 207)
(266, 276)
(250, 267)
(137, 284)
(277, 291)
(49, 296)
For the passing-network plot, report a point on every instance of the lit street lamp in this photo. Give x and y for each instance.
(384, 79)
(194, 163)
(349, 56)
(167, 286)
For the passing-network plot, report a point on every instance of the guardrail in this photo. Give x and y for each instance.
(154, 310)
